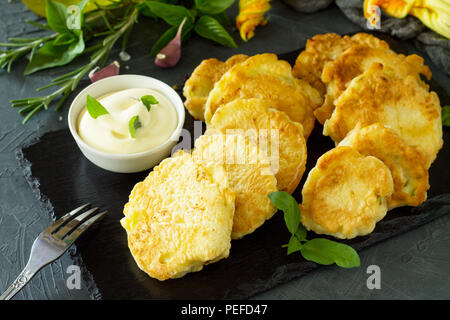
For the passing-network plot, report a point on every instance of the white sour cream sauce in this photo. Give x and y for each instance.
(110, 132)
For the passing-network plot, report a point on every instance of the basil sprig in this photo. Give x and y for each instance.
(203, 17)
(213, 7)
(211, 29)
(94, 107)
(67, 45)
(319, 250)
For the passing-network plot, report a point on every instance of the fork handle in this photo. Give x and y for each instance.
(24, 277)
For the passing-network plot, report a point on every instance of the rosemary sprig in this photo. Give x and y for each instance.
(68, 82)
(21, 46)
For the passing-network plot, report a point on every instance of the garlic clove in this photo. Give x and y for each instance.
(108, 71)
(170, 55)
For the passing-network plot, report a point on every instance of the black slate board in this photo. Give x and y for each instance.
(256, 263)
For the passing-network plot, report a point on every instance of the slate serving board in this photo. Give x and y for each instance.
(256, 263)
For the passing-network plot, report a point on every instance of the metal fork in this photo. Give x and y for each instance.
(52, 243)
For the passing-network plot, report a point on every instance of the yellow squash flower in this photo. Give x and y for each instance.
(435, 14)
(251, 15)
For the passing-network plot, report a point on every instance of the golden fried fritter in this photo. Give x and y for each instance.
(249, 175)
(327, 47)
(201, 82)
(286, 146)
(338, 74)
(265, 77)
(402, 104)
(345, 194)
(407, 164)
(180, 217)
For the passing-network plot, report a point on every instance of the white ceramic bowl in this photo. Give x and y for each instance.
(125, 163)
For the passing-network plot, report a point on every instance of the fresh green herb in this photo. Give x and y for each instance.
(172, 14)
(324, 251)
(210, 28)
(203, 17)
(68, 44)
(95, 108)
(213, 6)
(148, 100)
(20, 47)
(319, 250)
(286, 203)
(446, 116)
(133, 125)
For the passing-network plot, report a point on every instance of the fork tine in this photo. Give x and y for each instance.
(65, 229)
(83, 227)
(64, 218)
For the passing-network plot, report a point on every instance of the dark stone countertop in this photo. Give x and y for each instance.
(414, 265)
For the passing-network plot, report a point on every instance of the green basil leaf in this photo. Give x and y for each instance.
(64, 39)
(133, 125)
(294, 245)
(210, 28)
(286, 203)
(148, 100)
(57, 16)
(169, 35)
(170, 13)
(300, 234)
(146, 11)
(95, 108)
(213, 6)
(51, 55)
(222, 18)
(446, 116)
(324, 251)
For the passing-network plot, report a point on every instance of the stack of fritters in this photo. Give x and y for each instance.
(259, 112)
(185, 213)
(262, 76)
(248, 172)
(376, 106)
(286, 146)
(265, 77)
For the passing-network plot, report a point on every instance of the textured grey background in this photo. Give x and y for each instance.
(415, 265)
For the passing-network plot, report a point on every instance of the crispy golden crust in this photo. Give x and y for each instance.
(327, 47)
(249, 175)
(179, 218)
(338, 74)
(402, 104)
(345, 194)
(265, 77)
(286, 149)
(201, 82)
(407, 164)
